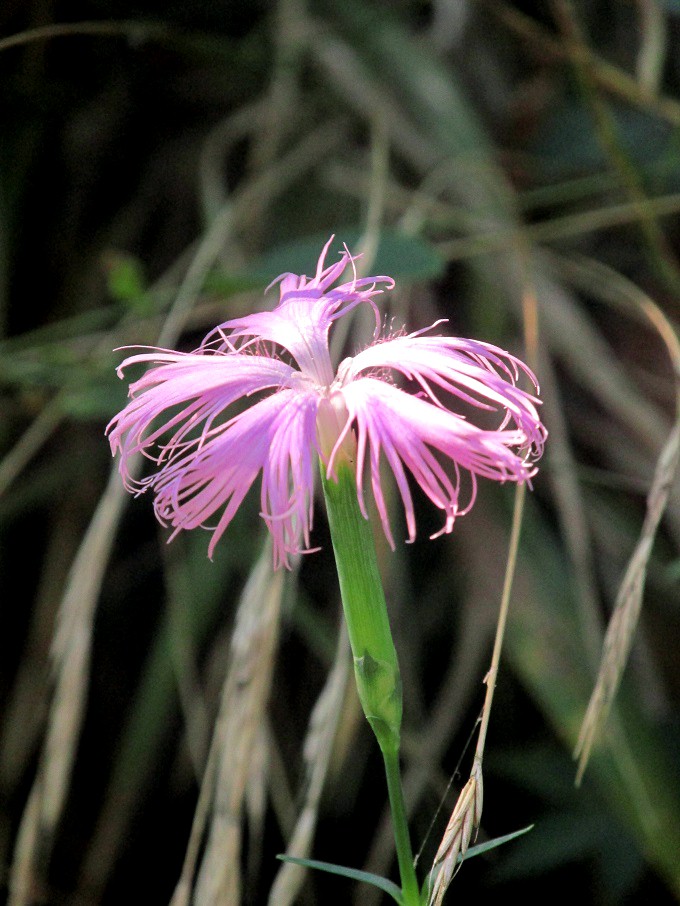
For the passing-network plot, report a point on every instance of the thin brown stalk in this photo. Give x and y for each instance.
(467, 812)
(132, 29)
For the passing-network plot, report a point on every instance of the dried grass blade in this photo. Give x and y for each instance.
(71, 654)
(242, 713)
(318, 748)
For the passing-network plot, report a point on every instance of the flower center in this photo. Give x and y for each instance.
(331, 425)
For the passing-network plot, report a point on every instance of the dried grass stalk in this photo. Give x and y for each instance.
(71, 656)
(318, 748)
(238, 728)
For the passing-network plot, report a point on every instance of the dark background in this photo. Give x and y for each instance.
(509, 150)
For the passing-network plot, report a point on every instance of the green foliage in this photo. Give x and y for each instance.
(388, 886)
(407, 258)
(353, 874)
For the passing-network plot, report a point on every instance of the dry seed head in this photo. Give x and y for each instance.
(620, 633)
(464, 822)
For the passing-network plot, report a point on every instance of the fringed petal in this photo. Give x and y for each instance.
(177, 405)
(275, 436)
(409, 431)
(207, 458)
(478, 373)
(301, 321)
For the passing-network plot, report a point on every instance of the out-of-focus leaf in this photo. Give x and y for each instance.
(566, 836)
(125, 280)
(400, 256)
(568, 143)
(577, 825)
(99, 400)
(225, 283)
(389, 887)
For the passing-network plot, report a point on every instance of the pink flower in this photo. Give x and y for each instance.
(260, 395)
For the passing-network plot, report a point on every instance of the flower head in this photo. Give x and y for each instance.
(260, 395)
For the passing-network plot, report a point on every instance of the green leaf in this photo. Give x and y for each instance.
(568, 142)
(397, 255)
(497, 841)
(383, 883)
(126, 282)
(388, 887)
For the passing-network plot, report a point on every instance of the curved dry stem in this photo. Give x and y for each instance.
(31, 441)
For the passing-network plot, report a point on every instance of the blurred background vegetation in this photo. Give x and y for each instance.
(516, 167)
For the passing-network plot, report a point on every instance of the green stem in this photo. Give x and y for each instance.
(363, 600)
(402, 840)
(375, 659)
